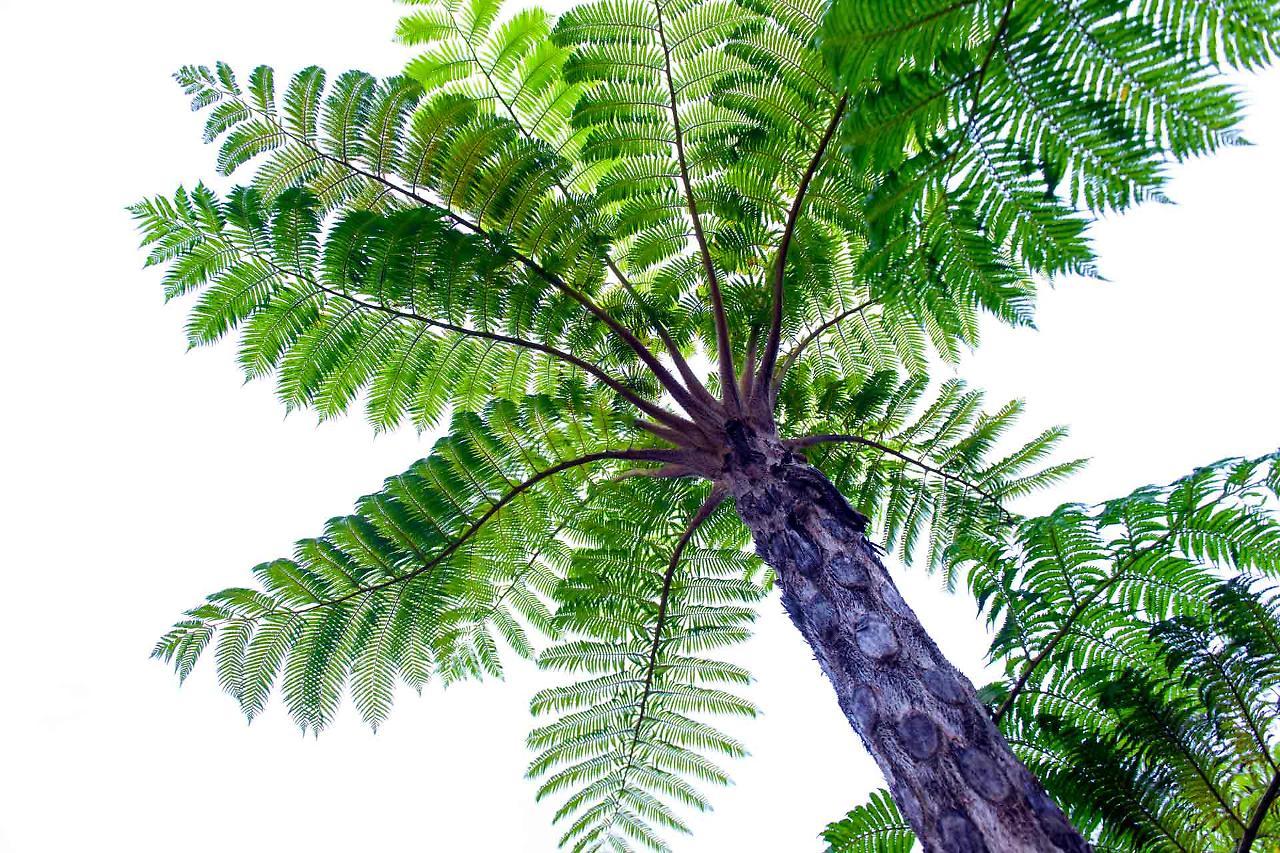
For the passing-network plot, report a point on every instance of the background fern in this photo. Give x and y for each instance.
(1138, 640)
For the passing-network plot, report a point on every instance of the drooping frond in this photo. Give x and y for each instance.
(401, 305)
(927, 469)
(1137, 646)
(642, 608)
(1141, 646)
(463, 549)
(1156, 554)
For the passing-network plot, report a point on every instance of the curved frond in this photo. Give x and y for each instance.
(628, 745)
(464, 549)
(926, 468)
(418, 315)
(1139, 641)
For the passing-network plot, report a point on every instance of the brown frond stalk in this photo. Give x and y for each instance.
(770, 357)
(724, 346)
(1265, 803)
(791, 357)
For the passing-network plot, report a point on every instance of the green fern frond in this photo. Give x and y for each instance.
(876, 827)
(421, 581)
(623, 737)
(1138, 645)
(925, 474)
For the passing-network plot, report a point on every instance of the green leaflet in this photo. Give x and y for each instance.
(419, 315)
(380, 145)
(922, 513)
(1024, 111)
(510, 67)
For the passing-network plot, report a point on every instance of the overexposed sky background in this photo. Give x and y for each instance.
(136, 478)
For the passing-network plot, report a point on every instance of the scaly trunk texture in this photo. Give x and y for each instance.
(950, 771)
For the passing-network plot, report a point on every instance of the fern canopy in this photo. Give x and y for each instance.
(580, 246)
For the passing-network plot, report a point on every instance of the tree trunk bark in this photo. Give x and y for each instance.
(949, 769)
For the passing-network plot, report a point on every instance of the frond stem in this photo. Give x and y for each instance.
(747, 380)
(1020, 684)
(668, 381)
(710, 405)
(1001, 29)
(724, 345)
(677, 358)
(650, 409)
(494, 509)
(773, 341)
(1265, 803)
(627, 394)
(791, 357)
(827, 438)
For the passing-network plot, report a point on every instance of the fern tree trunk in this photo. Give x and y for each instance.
(950, 771)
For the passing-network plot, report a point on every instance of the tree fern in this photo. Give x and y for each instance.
(667, 266)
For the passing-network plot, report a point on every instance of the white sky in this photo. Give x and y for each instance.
(138, 478)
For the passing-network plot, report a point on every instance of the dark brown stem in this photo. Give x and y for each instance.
(686, 373)
(1020, 684)
(710, 406)
(627, 394)
(1267, 800)
(677, 391)
(724, 346)
(952, 774)
(679, 437)
(749, 363)
(662, 472)
(1001, 29)
(790, 358)
(773, 341)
